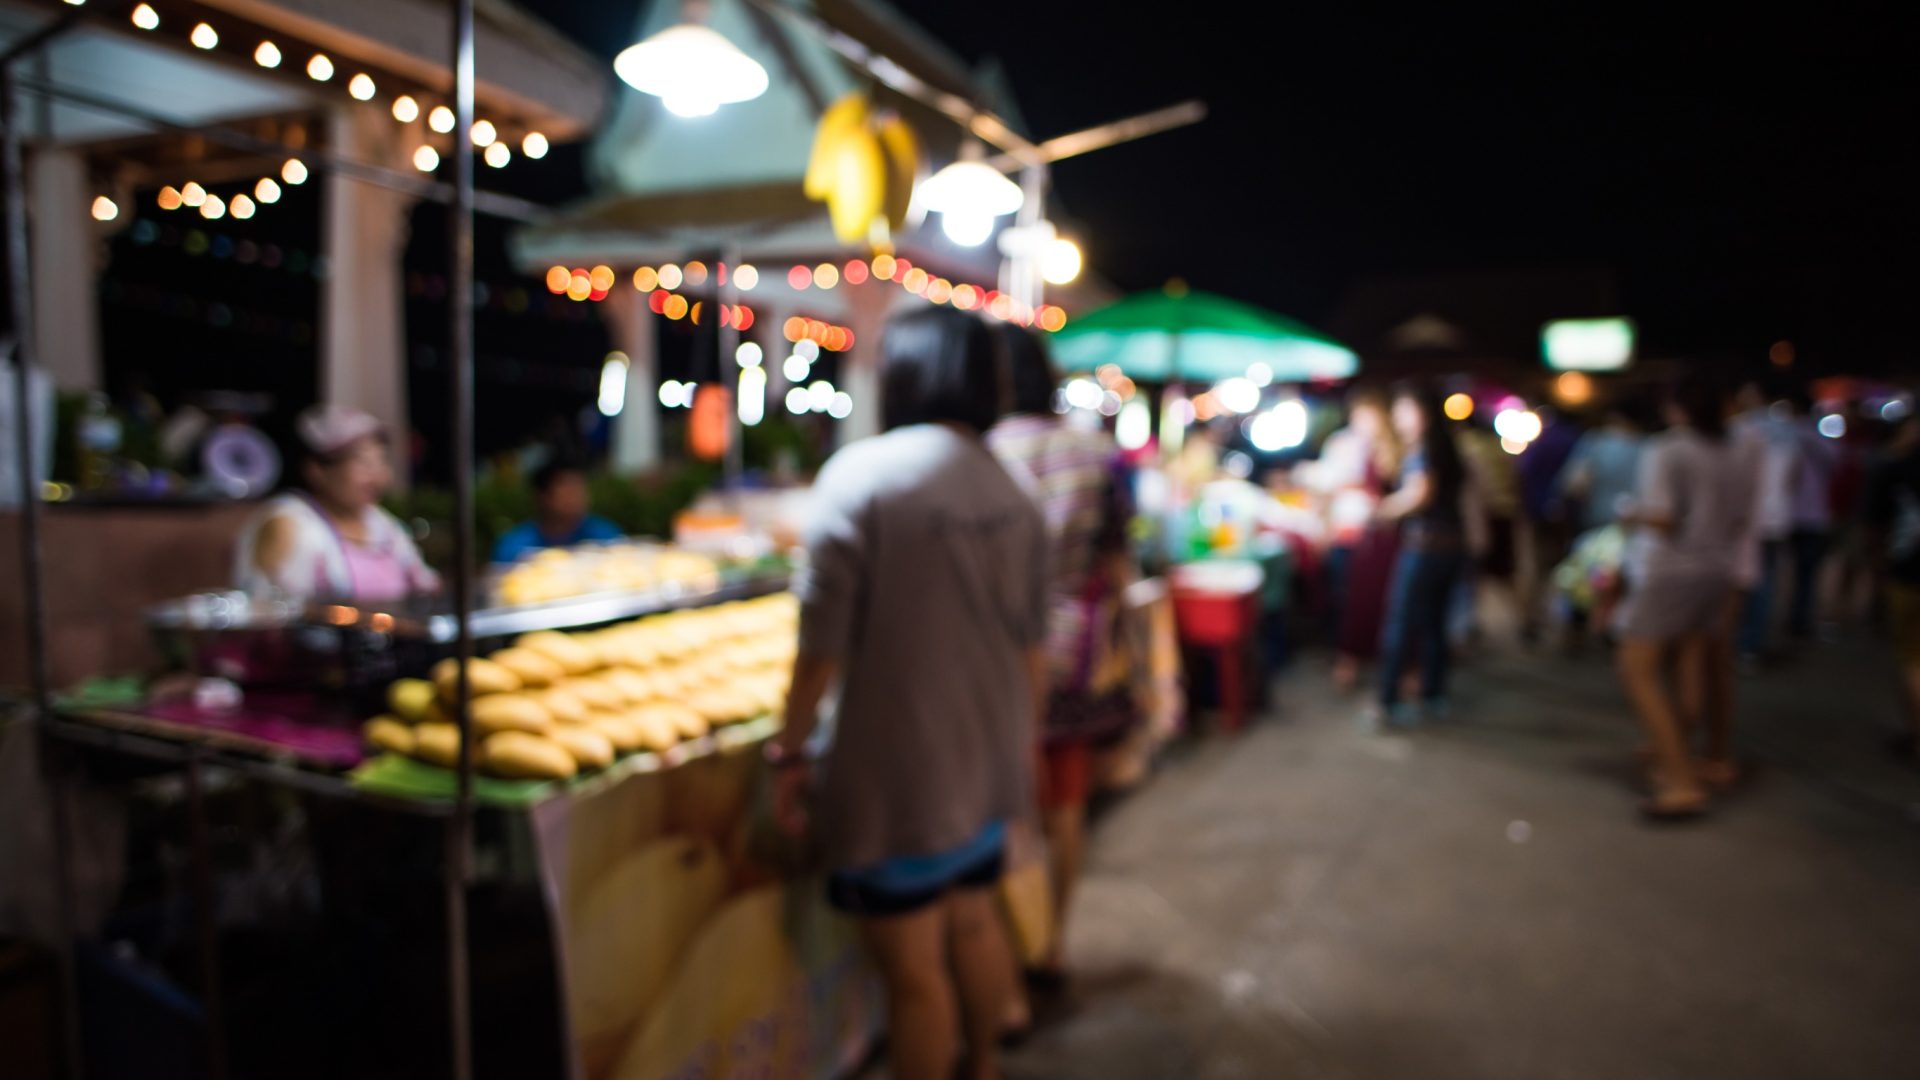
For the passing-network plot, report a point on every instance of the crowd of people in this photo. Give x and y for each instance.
(1699, 532)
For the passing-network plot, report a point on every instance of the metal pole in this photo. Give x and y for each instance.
(460, 347)
(200, 849)
(20, 306)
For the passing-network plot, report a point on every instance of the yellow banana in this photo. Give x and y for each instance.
(906, 167)
(846, 115)
(858, 190)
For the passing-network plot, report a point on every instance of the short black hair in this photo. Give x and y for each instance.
(549, 474)
(940, 364)
(1031, 378)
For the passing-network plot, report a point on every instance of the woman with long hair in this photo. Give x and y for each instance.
(1691, 509)
(1429, 507)
(924, 599)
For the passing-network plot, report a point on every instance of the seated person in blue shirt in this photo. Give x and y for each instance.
(561, 516)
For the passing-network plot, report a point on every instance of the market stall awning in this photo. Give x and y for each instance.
(1173, 334)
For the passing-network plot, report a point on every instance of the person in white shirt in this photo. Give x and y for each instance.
(1768, 437)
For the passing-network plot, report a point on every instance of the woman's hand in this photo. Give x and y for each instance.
(790, 782)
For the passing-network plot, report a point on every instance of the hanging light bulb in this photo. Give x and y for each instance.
(294, 171)
(692, 69)
(320, 69)
(192, 194)
(1060, 261)
(204, 36)
(266, 191)
(170, 199)
(968, 195)
(426, 159)
(484, 133)
(146, 18)
(534, 145)
(267, 55)
(213, 209)
(405, 109)
(105, 209)
(440, 119)
(498, 155)
(361, 87)
(241, 207)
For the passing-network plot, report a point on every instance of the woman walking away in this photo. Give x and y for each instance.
(1429, 506)
(1692, 508)
(1071, 475)
(925, 599)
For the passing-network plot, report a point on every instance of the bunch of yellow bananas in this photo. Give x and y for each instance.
(864, 166)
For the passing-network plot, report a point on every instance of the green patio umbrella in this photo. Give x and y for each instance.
(1172, 334)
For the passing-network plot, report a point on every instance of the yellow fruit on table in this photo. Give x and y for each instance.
(483, 677)
(521, 755)
(510, 712)
(623, 733)
(437, 744)
(687, 723)
(573, 657)
(564, 704)
(410, 699)
(657, 732)
(534, 669)
(596, 692)
(590, 747)
(386, 733)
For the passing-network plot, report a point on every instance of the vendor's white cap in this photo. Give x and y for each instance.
(327, 429)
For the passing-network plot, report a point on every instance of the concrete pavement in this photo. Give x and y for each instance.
(1477, 900)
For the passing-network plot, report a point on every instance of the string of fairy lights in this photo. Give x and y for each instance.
(407, 108)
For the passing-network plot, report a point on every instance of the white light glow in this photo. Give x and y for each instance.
(745, 277)
(1260, 374)
(753, 396)
(266, 191)
(749, 355)
(1083, 393)
(970, 187)
(146, 18)
(498, 155)
(534, 145)
(1518, 425)
(426, 158)
(192, 194)
(484, 133)
(1238, 394)
(1060, 261)
(105, 209)
(361, 87)
(1513, 446)
(692, 69)
(1833, 425)
(241, 207)
(797, 400)
(841, 406)
(405, 109)
(206, 37)
(1109, 403)
(213, 209)
(320, 69)
(1134, 428)
(613, 384)
(796, 368)
(440, 119)
(1895, 410)
(294, 171)
(965, 229)
(820, 395)
(1282, 427)
(808, 350)
(675, 394)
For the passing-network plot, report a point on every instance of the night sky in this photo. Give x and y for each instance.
(1746, 178)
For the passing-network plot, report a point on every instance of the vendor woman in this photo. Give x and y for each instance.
(330, 539)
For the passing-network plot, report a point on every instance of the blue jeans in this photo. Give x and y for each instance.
(1417, 606)
(1756, 616)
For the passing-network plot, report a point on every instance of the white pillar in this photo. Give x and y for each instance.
(363, 362)
(636, 431)
(63, 260)
(867, 318)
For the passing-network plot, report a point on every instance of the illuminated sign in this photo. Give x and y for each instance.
(1587, 344)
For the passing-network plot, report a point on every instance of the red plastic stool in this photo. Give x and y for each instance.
(1216, 606)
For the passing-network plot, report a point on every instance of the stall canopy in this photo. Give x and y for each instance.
(1174, 333)
(669, 188)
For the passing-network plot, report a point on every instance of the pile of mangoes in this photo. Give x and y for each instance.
(553, 705)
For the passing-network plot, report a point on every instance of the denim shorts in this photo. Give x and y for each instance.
(903, 885)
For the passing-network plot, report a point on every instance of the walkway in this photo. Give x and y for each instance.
(1478, 901)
